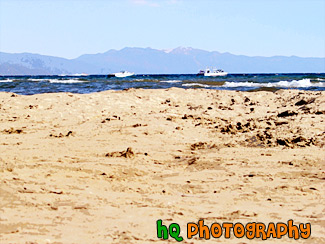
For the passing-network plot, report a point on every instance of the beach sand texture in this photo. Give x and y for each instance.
(103, 167)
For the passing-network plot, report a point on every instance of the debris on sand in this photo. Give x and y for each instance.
(128, 153)
(13, 131)
(70, 133)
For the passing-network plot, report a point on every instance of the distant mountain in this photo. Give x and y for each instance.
(151, 61)
(36, 64)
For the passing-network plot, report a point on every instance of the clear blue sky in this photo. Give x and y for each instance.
(69, 28)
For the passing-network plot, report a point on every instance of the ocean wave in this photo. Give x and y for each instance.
(196, 84)
(35, 79)
(6, 80)
(74, 80)
(67, 81)
(145, 80)
(171, 81)
(291, 84)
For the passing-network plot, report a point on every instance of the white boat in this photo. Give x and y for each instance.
(123, 74)
(215, 72)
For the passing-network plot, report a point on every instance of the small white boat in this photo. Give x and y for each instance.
(123, 74)
(215, 72)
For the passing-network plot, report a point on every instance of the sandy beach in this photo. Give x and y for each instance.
(104, 167)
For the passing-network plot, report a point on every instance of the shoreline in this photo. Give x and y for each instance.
(104, 167)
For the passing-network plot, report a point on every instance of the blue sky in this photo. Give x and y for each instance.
(69, 28)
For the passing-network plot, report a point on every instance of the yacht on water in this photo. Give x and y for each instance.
(123, 74)
(212, 72)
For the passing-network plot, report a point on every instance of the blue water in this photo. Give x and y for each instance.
(28, 85)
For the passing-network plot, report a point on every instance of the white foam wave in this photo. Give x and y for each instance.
(67, 81)
(171, 81)
(75, 80)
(291, 84)
(31, 79)
(145, 80)
(6, 80)
(195, 84)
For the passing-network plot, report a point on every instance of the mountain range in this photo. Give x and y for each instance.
(152, 61)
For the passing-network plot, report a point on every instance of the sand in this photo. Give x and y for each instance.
(104, 167)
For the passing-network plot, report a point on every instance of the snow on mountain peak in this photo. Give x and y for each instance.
(180, 50)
